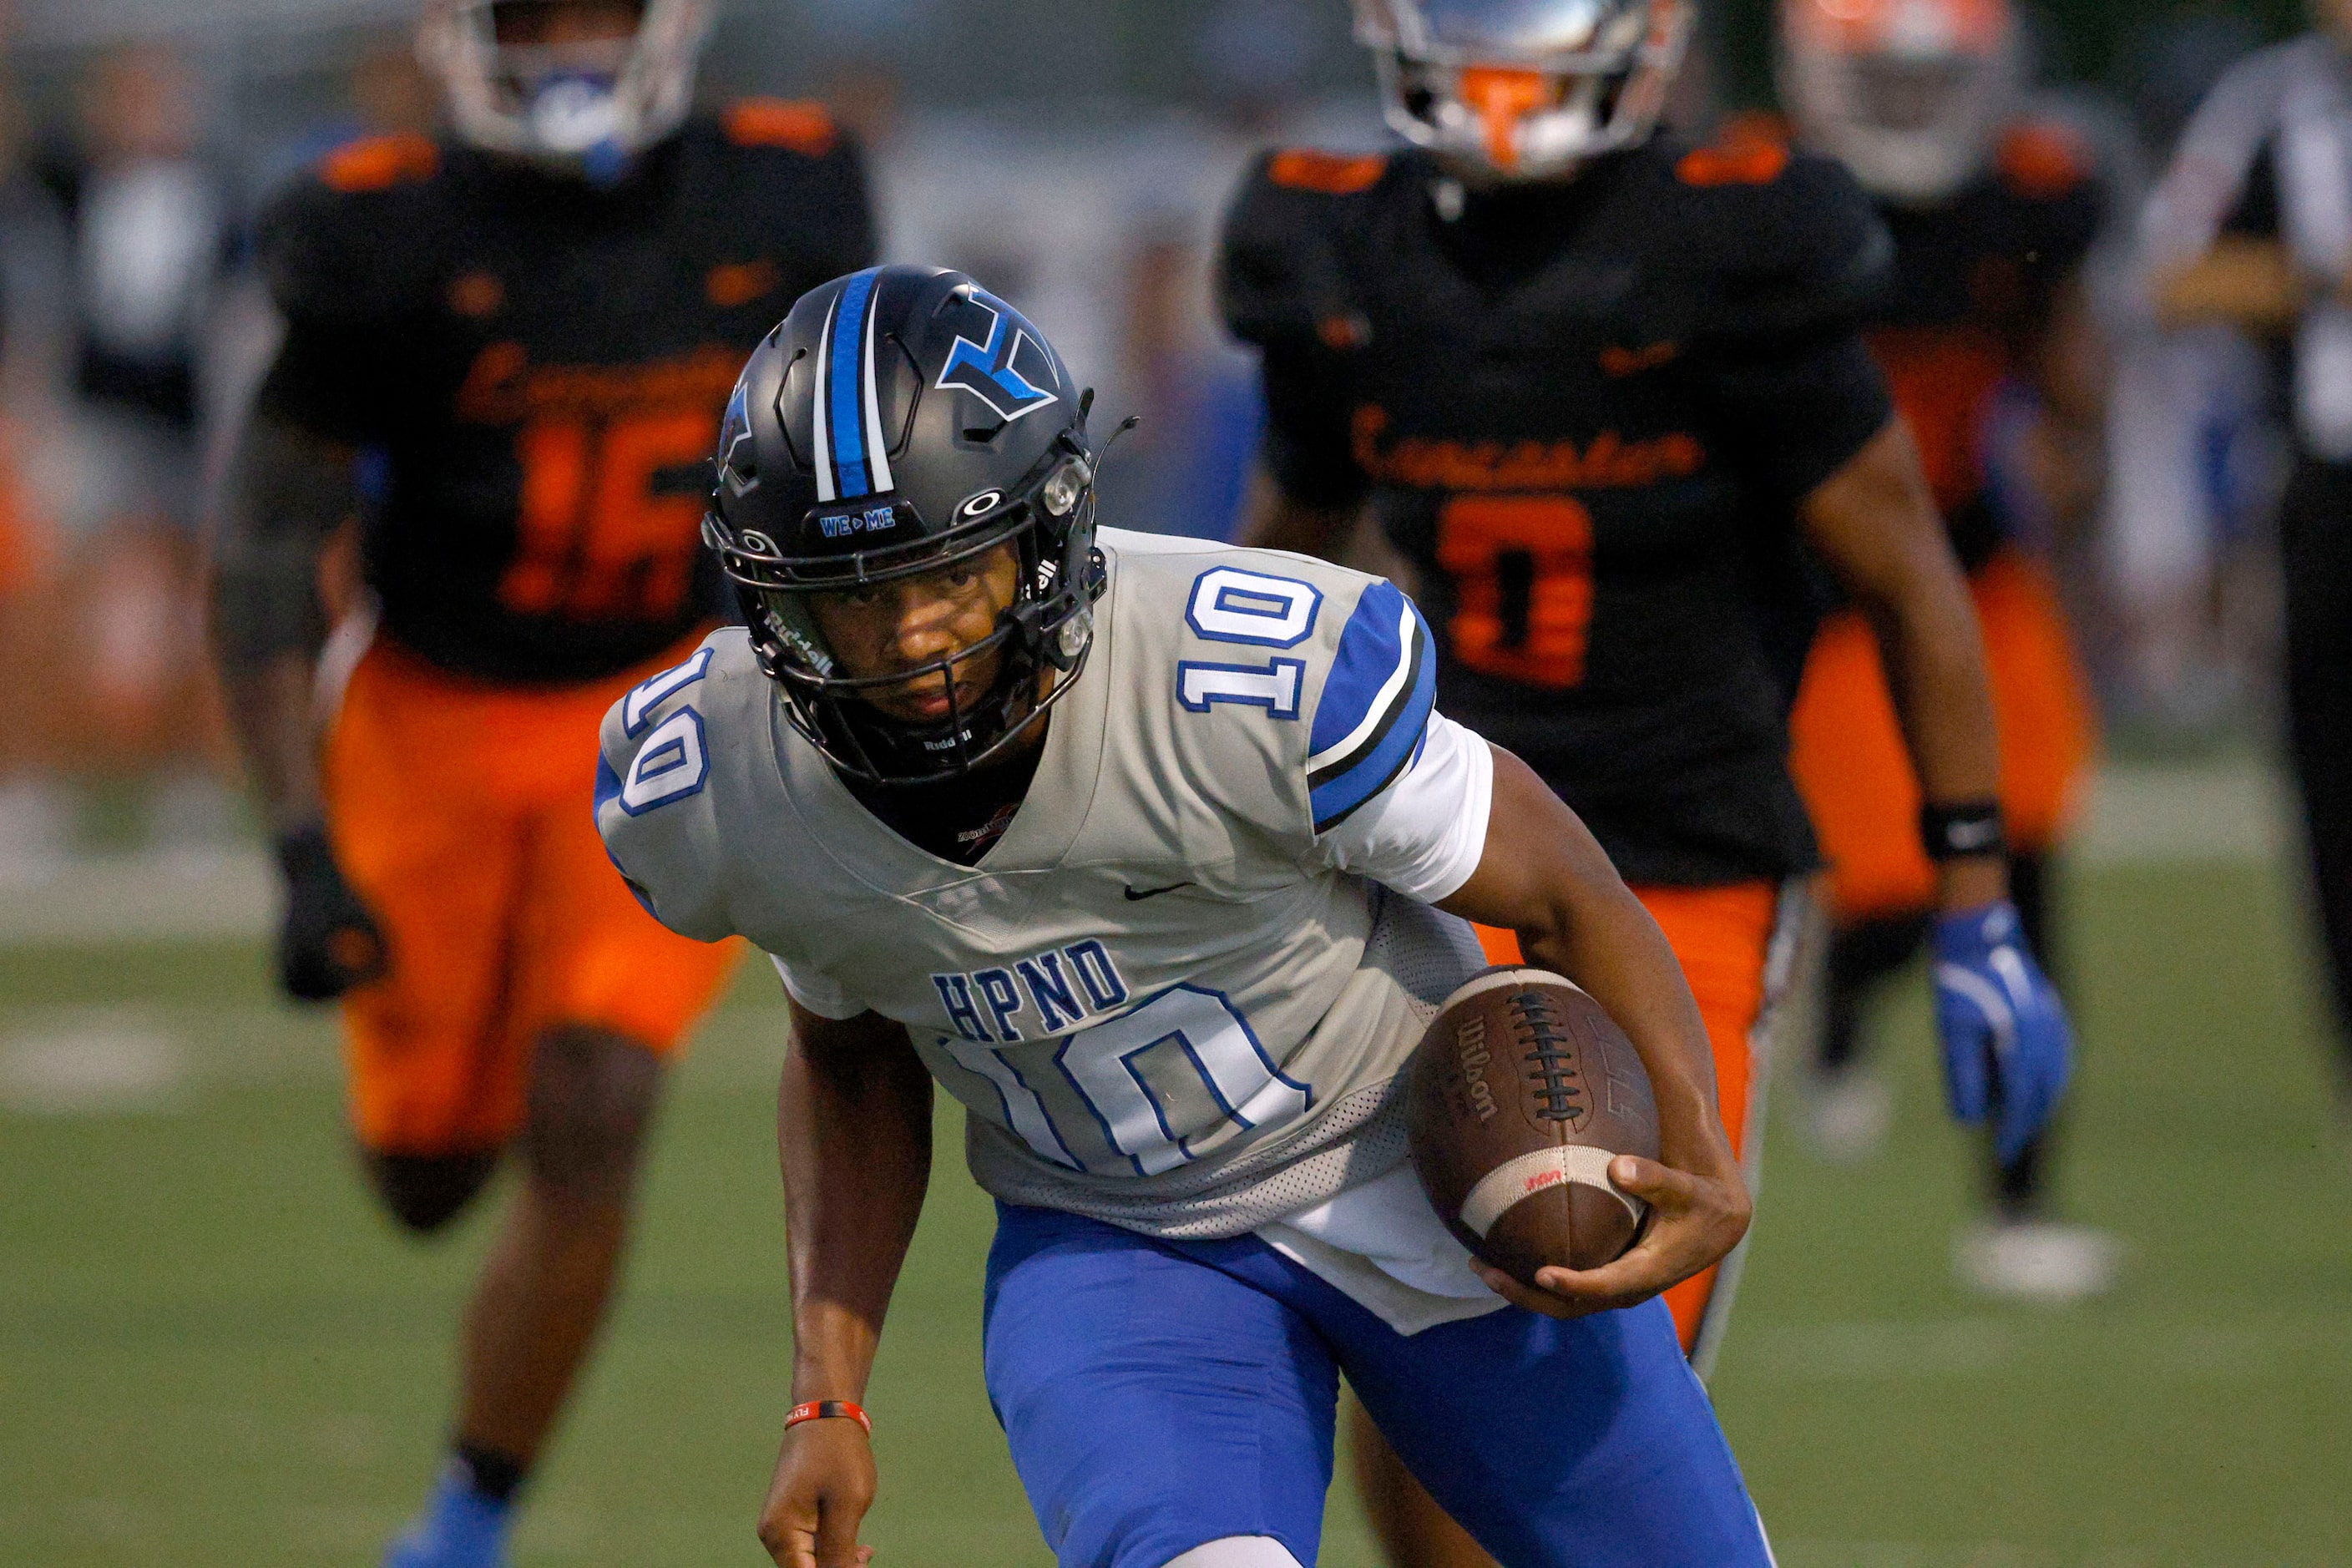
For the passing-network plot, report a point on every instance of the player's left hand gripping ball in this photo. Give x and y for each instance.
(329, 942)
(2007, 1042)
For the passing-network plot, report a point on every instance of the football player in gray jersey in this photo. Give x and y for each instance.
(1157, 856)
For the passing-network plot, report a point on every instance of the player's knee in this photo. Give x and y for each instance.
(425, 1192)
(591, 1099)
(1238, 1551)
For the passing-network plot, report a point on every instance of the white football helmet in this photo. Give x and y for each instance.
(1525, 89)
(1910, 94)
(582, 108)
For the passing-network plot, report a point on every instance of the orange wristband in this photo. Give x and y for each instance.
(820, 1409)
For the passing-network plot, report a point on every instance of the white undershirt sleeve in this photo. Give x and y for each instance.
(817, 994)
(1425, 834)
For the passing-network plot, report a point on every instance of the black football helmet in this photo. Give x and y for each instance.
(901, 420)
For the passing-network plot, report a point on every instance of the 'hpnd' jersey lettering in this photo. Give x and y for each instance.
(1167, 994)
(1586, 413)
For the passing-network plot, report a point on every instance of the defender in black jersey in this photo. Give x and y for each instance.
(1600, 388)
(507, 355)
(1987, 341)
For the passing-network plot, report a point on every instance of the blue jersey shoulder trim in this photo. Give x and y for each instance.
(1375, 705)
(608, 788)
(608, 783)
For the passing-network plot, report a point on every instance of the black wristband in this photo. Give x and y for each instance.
(1963, 832)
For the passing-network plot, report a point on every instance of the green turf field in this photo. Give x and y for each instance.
(212, 1352)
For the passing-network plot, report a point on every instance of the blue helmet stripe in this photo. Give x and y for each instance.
(845, 421)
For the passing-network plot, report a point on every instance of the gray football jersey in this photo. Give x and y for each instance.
(1163, 996)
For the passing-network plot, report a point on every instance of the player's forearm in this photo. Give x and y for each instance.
(2072, 372)
(853, 1138)
(1546, 877)
(269, 707)
(1933, 653)
(286, 493)
(2246, 283)
(1875, 525)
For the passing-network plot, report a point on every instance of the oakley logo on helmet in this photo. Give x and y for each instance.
(1005, 367)
(982, 504)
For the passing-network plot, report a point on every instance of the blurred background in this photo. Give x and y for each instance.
(213, 1351)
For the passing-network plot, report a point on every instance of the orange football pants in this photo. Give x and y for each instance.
(462, 812)
(1855, 771)
(1728, 939)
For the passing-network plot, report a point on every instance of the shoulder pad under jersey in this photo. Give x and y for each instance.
(660, 749)
(1792, 244)
(2050, 170)
(2044, 160)
(784, 177)
(1282, 270)
(356, 238)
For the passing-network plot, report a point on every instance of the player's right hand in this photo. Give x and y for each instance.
(328, 942)
(1695, 1219)
(2007, 1048)
(824, 1483)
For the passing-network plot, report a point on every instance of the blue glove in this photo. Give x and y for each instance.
(2006, 1038)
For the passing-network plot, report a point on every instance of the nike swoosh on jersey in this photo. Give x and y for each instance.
(1135, 898)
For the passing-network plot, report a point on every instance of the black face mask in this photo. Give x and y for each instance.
(908, 755)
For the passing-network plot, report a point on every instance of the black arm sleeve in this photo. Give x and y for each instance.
(1307, 446)
(1797, 411)
(318, 383)
(1794, 390)
(285, 494)
(351, 274)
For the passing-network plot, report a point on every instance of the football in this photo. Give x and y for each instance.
(1517, 1098)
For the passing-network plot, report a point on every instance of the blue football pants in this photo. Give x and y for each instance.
(1159, 1395)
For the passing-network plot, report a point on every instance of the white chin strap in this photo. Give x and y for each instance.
(1238, 1551)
